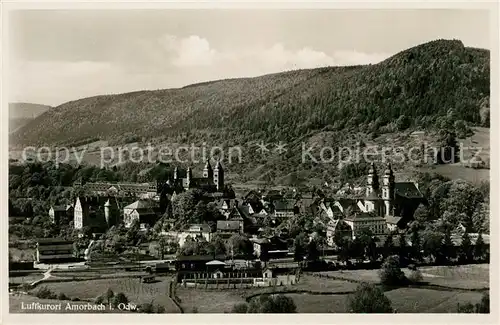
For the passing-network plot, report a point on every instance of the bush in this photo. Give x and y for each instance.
(369, 299)
(120, 298)
(468, 308)
(272, 304)
(241, 308)
(391, 273)
(45, 293)
(147, 308)
(75, 299)
(62, 296)
(109, 295)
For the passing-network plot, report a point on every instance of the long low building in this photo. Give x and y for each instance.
(54, 250)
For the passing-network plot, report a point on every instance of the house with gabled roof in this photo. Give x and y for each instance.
(58, 212)
(229, 227)
(285, 208)
(144, 211)
(90, 212)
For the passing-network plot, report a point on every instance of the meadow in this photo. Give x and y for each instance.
(136, 291)
(473, 276)
(326, 295)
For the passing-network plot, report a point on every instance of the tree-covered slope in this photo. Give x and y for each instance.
(22, 113)
(418, 86)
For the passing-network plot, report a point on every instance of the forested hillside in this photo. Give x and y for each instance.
(426, 86)
(22, 113)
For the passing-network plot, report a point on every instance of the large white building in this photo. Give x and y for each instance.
(195, 231)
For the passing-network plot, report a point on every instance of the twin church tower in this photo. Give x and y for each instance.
(380, 199)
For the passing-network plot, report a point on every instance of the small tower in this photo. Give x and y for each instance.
(189, 177)
(207, 171)
(388, 190)
(219, 177)
(107, 212)
(372, 181)
(176, 173)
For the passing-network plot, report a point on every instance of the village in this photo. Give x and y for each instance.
(238, 241)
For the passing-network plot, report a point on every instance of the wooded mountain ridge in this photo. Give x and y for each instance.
(418, 87)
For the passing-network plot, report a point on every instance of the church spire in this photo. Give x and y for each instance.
(207, 171)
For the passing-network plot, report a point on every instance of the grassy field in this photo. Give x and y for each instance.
(479, 144)
(414, 300)
(222, 301)
(474, 276)
(404, 300)
(307, 303)
(136, 291)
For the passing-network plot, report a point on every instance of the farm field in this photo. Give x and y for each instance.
(136, 291)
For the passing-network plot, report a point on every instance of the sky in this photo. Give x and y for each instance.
(59, 56)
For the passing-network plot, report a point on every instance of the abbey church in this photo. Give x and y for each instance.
(212, 180)
(391, 199)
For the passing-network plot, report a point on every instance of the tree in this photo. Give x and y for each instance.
(312, 250)
(120, 298)
(109, 295)
(403, 254)
(422, 214)
(132, 233)
(481, 217)
(241, 308)
(183, 207)
(484, 305)
(461, 202)
(388, 245)
(216, 245)
(447, 247)
(300, 247)
(479, 248)
(369, 299)
(416, 245)
(162, 246)
(239, 245)
(364, 245)
(432, 242)
(449, 149)
(390, 273)
(272, 304)
(343, 246)
(466, 248)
